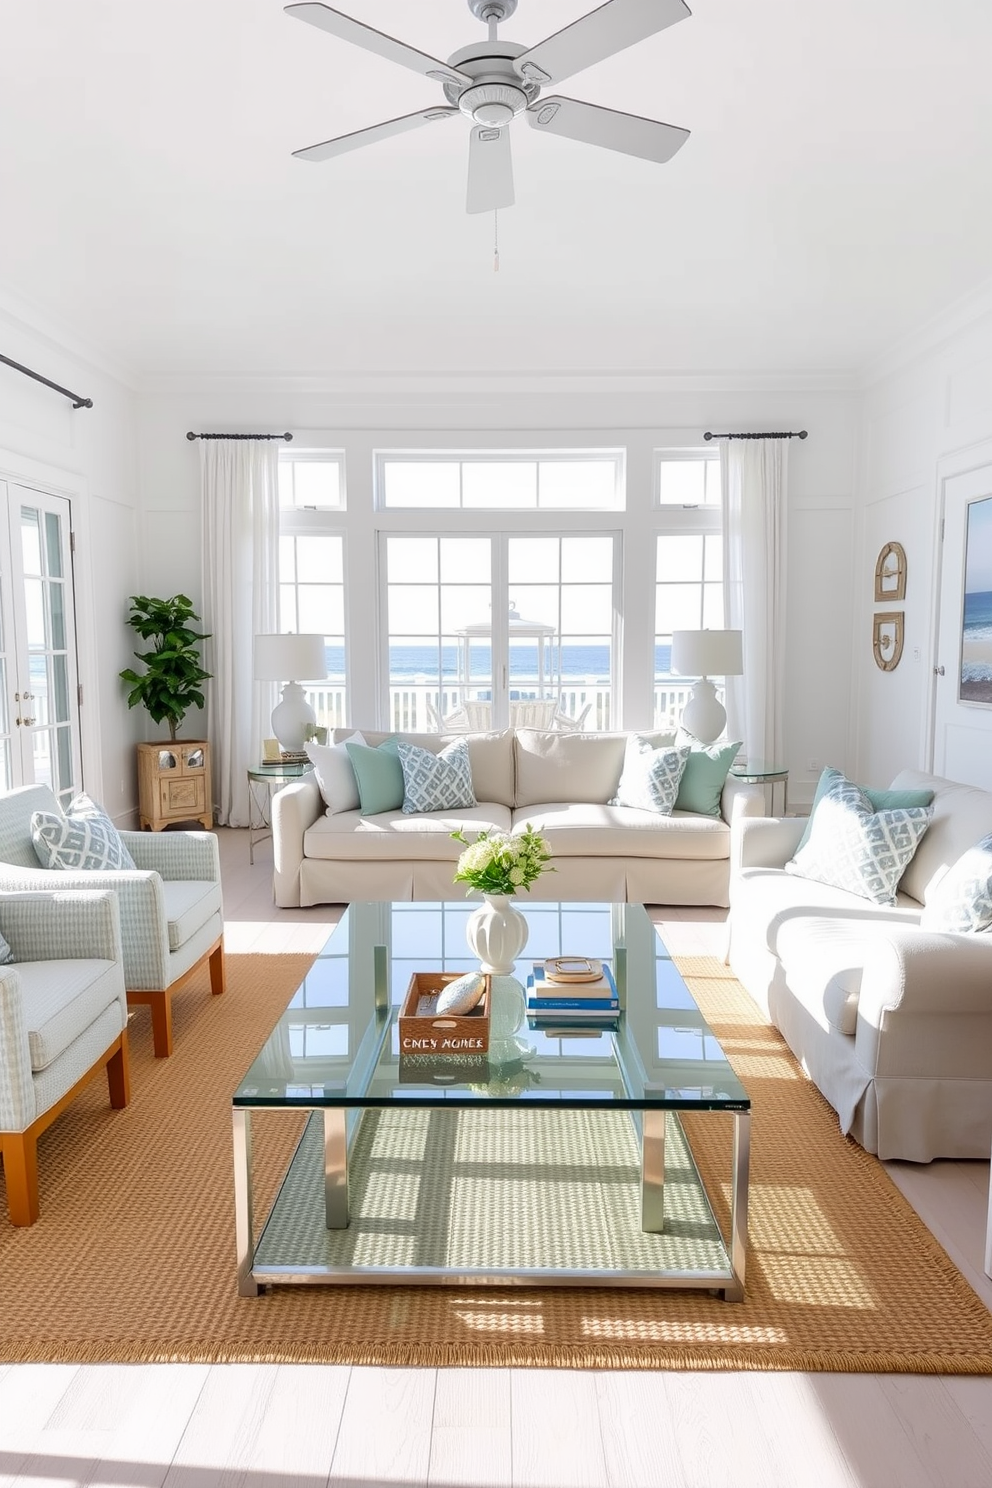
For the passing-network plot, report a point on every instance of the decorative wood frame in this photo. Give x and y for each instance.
(887, 639)
(890, 578)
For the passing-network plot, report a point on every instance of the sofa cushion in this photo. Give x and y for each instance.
(588, 830)
(61, 999)
(490, 757)
(770, 897)
(379, 775)
(962, 814)
(393, 836)
(335, 773)
(705, 775)
(189, 904)
(567, 767)
(650, 776)
(962, 899)
(881, 800)
(436, 782)
(855, 848)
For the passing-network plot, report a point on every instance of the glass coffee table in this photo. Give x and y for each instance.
(570, 1165)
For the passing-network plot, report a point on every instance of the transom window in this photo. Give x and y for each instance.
(501, 481)
(311, 480)
(687, 478)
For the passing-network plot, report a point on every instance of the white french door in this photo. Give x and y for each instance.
(483, 631)
(39, 694)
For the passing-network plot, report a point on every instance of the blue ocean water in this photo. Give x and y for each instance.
(422, 661)
(977, 627)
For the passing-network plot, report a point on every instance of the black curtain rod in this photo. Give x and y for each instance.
(191, 435)
(77, 401)
(788, 434)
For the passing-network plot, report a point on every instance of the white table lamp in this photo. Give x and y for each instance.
(704, 654)
(278, 657)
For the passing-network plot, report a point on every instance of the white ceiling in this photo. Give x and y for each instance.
(834, 193)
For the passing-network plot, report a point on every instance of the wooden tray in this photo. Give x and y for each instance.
(447, 1033)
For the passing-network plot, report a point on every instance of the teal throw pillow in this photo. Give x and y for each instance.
(650, 778)
(705, 775)
(881, 800)
(854, 848)
(962, 900)
(379, 775)
(436, 782)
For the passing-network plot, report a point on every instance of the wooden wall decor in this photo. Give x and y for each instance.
(890, 573)
(887, 639)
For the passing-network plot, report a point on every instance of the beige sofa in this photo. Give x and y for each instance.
(893, 1023)
(560, 783)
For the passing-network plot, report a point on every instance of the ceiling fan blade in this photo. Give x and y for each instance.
(490, 170)
(375, 132)
(628, 133)
(602, 33)
(347, 29)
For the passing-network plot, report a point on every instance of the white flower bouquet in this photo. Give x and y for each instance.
(496, 863)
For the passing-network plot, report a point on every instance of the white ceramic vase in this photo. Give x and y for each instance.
(496, 933)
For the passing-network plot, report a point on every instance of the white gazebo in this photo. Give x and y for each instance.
(519, 628)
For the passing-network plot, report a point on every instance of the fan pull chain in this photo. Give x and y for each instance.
(495, 240)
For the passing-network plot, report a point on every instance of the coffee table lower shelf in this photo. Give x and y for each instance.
(491, 1197)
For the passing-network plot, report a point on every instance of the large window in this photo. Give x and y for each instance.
(311, 601)
(688, 566)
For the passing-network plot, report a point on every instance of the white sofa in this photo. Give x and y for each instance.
(561, 783)
(893, 1023)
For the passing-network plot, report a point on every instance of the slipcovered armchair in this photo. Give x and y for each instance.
(63, 1019)
(170, 903)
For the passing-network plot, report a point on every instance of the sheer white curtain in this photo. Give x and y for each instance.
(753, 482)
(240, 521)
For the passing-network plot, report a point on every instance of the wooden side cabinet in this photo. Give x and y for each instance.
(174, 784)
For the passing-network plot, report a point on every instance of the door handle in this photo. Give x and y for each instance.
(938, 671)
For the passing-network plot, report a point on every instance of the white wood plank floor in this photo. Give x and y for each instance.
(303, 1426)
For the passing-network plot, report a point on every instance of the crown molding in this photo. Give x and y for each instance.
(930, 336)
(29, 320)
(471, 385)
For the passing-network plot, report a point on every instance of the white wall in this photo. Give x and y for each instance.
(932, 401)
(88, 455)
(357, 413)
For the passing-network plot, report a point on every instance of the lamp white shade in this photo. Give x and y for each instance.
(702, 654)
(284, 658)
(707, 653)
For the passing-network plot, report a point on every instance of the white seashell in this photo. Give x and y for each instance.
(461, 995)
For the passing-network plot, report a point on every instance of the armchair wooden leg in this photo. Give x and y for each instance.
(159, 1005)
(20, 1169)
(119, 1075)
(218, 971)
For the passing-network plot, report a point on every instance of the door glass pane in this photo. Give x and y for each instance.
(63, 739)
(53, 545)
(60, 689)
(41, 741)
(56, 600)
(34, 607)
(30, 541)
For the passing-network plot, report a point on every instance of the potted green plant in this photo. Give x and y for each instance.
(171, 682)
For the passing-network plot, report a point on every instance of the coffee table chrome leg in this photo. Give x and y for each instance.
(738, 1204)
(335, 1169)
(247, 1286)
(653, 1171)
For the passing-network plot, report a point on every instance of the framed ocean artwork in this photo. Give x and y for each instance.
(975, 679)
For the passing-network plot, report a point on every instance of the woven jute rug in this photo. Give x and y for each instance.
(133, 1258)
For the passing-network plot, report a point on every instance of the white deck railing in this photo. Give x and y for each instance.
(408, 712)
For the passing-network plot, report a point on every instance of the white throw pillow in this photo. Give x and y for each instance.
(436, 782)
(335, 774)
(651, 776)
(853, 847)
(962, 900)
(84, 838)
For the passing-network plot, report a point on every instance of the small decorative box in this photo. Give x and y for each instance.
(424, 1031)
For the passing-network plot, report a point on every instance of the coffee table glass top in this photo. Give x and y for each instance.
(337, 1044)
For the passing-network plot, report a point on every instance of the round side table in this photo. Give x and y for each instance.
(261, 779)
(758, 772)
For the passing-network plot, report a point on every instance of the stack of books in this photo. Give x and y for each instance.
(572, 1005)
(293, 757)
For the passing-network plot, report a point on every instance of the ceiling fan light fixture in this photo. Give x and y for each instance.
(494, 104)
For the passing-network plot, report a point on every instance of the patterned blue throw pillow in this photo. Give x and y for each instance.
(962, 900)
(853, 847)
(84, 838)
(436, 782)
(650, 778)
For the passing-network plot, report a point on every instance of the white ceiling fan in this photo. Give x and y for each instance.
(493, 81)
